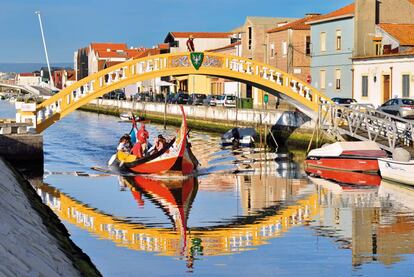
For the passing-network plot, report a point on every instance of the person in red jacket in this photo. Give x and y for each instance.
(190, 44)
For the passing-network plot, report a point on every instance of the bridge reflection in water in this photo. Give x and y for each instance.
(375, 223)
(259, 223)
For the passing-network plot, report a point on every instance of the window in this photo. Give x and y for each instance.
(323, 42)
(308, 45)
(406, 85)
(338, 79)
(364, 86)
(284, 48)
(272, 50)
(322, 79)
(250, 37)
(338, 40)
(378, 48)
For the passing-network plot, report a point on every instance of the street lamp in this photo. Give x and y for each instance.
(44, 46)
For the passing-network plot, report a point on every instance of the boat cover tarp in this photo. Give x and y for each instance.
(243, 132)
(337, 148)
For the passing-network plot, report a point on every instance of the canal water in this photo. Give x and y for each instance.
(249, 213)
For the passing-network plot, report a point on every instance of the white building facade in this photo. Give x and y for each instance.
(378, 79)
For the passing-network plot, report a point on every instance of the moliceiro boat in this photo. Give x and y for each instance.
(399, 168)
(175, 158)
(354, 156)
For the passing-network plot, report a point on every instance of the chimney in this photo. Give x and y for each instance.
(365, 19)
(312, 14)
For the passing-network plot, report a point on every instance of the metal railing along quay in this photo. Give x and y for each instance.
(364, 122)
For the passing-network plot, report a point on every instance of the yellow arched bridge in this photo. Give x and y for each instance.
(243, 70)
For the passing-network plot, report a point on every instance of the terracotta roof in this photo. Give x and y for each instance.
(163, 46)
(295, 25)
(111, 54)
(408, 52)
(27, 74)
(225, 47)
(347, 11)
(71, 75)
(200, 34)
(404, 33)
(108, 45)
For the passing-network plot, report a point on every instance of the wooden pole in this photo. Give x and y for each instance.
(165, 111)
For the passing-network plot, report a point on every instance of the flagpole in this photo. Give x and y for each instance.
(44, 46)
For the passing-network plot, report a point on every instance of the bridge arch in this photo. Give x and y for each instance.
(266, 77)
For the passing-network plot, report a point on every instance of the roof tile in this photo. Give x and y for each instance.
(404, 33)
(347, 10)
(295, 25)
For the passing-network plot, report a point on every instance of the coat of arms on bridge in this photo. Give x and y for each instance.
(196, 59)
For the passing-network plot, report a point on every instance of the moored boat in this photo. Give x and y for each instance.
(175, 158)
(239, 136)
(399, 169)
(355, 156)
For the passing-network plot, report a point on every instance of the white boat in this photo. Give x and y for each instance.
(239, 136)
(397, 171)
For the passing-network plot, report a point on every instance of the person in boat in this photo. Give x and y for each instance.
(159, 143)
(124, 143)
(140, 148)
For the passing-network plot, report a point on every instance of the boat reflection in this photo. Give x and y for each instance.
(377, 224)
(346, 177)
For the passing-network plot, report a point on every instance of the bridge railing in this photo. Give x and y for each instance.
(213, 64)
(364, 122)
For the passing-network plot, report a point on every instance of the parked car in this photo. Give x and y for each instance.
(116, 94)
(196, 99)
(210, 100)
(340, 100)
(180, 98)
(402, 107)
(226, 101)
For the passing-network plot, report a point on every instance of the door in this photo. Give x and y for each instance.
(385, 88)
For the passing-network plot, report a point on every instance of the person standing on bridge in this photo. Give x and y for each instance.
(190, 44)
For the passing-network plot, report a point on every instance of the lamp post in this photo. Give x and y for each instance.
(44, 46)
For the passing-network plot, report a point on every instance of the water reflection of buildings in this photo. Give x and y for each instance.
(368, 221)
(240, 234)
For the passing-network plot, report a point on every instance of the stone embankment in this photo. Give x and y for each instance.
(289, 127)
(33, 241)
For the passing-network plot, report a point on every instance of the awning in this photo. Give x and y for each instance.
(164, 84)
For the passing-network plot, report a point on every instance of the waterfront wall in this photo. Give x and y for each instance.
(33, 242)
(247, 117)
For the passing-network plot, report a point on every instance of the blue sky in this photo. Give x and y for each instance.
(69, 25)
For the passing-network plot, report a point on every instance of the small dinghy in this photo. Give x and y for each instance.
(239, 136)
(399, 168)
(127, 117)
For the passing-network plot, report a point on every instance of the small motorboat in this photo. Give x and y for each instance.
(399, 168)
(175, 158)
(128, 117)
(239, 136)
(353, 156)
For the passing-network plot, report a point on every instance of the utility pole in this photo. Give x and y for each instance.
(44, 46)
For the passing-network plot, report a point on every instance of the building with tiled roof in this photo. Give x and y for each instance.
(253, 36)
(288, 47)
(383, 61)
(348, 32)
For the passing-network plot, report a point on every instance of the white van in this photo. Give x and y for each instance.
(228, 101)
